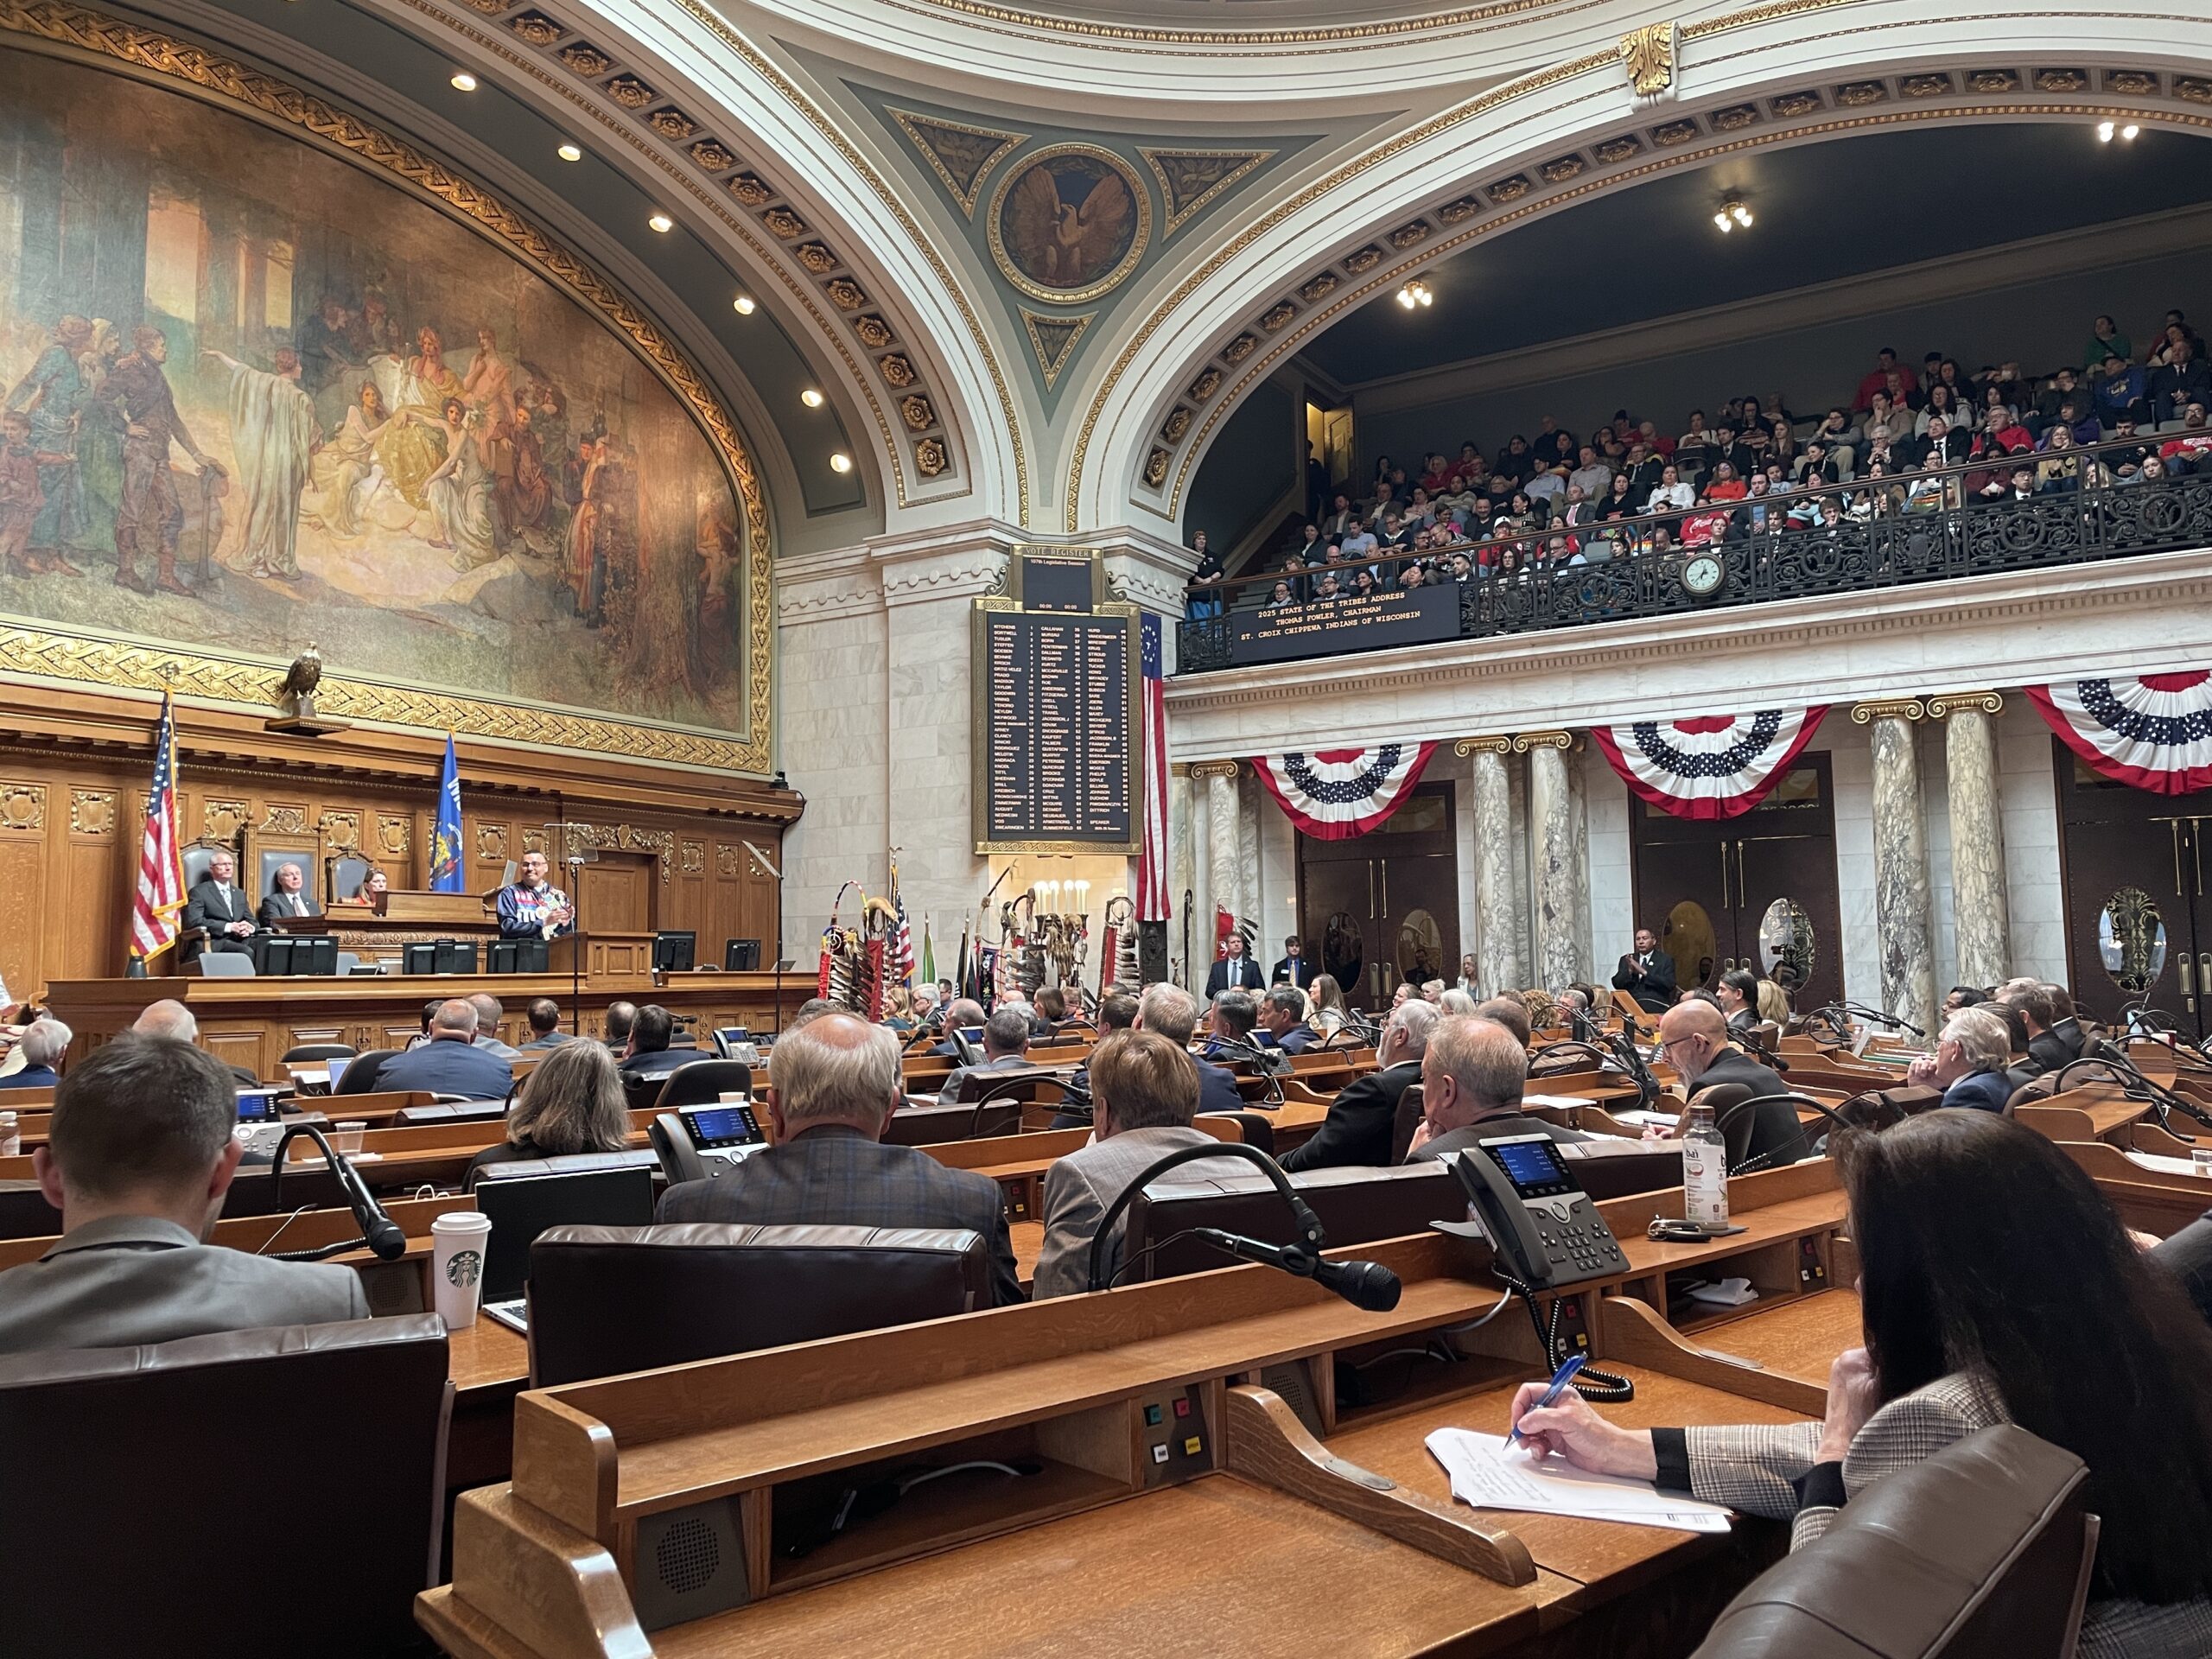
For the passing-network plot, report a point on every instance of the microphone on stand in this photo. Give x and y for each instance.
(1363, 1284)
(1882, 1018)
(383, 1236)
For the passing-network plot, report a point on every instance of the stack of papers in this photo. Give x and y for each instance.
(1649, 1120)
(2163, 1165)
(1729, 1293)
(1488, 1475)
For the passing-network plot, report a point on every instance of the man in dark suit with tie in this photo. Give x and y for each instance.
(1694, 1040)
(290, 897)
(1358, 1127)
(217, 904)
(1282, 1016)
(1293, 968)
(833, 1083)
(1647, 974)
(1234, 972)
(2047, 1050)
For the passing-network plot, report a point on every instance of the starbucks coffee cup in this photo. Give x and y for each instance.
(457, 1242)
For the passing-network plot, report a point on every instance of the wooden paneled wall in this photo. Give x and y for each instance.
(75, 768)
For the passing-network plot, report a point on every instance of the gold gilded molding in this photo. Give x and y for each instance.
(284, 819)
(1566, 742)
(395, 834)
(1189, 178)
(92, 811)
(219, 820)
(1949, 702)
(1866, 714)
(1467, 746)
(1647, 54)
(22, 806)
(341, 831)
(1140, 197)
(1008, 18)
(1214, 769)
(961, 155)
(230, 85)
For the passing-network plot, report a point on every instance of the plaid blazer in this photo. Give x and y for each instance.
(836, 1177)
(1751, 1469)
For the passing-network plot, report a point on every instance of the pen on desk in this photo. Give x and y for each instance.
(1561, 1378)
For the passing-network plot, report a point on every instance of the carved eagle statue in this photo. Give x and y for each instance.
(1062, 246)
(301, 680)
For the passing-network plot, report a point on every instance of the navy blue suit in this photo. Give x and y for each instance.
(1985, 1091)
(446, 1066)
(1217, 1088)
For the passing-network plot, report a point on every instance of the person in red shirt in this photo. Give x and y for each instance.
(1885, 364)
(1726, 486)
(2187, 450)
(1436, 478)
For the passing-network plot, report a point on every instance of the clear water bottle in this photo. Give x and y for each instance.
(1704, 1169)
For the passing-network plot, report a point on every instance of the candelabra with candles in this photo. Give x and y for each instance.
(1059, 937)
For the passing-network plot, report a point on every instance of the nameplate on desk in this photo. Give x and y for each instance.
(1325, 627)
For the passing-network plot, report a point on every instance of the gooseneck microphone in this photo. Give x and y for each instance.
(1881, 1017)
(383, 1236)
(1363, 1284)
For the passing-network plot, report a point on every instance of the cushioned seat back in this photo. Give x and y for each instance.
(152, 1491)
(24, 1212)
(360, 1077)
(702, 1083)
(303, 1053)
(1737, 1129)
(571, 1163)
(604, 1300)
(1411, 1104)
(1356, 1205)
(1982, 1552)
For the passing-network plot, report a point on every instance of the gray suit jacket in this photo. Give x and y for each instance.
(130, 1279)
(1082, 1187)
(1453, 1141)
(950, 1095)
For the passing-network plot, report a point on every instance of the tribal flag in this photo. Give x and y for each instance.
(1223, 925)
(2153, 732)
(1152, 904)
(160, 855)
(1335, 794)
(901, 965)
(1709, 765)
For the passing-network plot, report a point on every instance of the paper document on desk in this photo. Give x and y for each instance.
(2163, 1165)
(1489, 1476)
(1648, 1120)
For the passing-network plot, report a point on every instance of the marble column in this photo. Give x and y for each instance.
(1497, 936)
(1248, 855)
(1225, 883)
(1902, 921)
(1979, 912)
(1554, 858)
(1182, 869)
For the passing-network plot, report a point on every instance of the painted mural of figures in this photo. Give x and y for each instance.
(274, 436)
(151, 515)
(459, 490)
(412, 450)
(345, 470)
(327, 349)
(489, 383)
(20, 495)
(52, 395)
(525, 496)
(100, 445)
(587, 557)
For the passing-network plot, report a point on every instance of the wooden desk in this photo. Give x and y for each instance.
(2095, 1111)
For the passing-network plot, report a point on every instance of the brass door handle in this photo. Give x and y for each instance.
(1370, 888)
(1724, 875)
(2188, 966)
(1385, 868)
(1740, 901)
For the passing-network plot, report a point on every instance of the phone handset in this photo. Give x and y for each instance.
(1512, 1231)
(673, 1145)
(1536, 1213)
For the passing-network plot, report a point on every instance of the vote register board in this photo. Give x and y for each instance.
(1057, 714)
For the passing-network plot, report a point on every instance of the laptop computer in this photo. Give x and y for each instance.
(522, 1209)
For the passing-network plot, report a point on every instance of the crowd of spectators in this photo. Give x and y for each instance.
(1557, 498)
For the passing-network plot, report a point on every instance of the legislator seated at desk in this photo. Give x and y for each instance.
(962, 1014)
(1282, 1018)
(1694, 1040)
(1144, 1094)
(530, 907)
(1173, 1012)
(571, 1103)
(450, 1063)
(170, 1018)
(217, 915)
(1006, 1047)
(648, 1053)
(832, 1084)
(1970, 1059)
(44, 1042)
(489, 1012)
(138, 1157)
(1358, 1127)
(1472, 1077)
(290, 897)
(1997, 1286)
(545, 1026)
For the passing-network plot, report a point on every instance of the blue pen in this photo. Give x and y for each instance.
(1561, 1378)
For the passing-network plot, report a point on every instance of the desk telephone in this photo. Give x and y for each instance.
(1539, 1219)
(694, 1142)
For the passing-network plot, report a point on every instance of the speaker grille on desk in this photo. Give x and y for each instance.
(687, 1555)
(689, 1564)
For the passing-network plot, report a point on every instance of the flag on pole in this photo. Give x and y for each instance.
(1152, 857)
(902, 936)
(445, 873)
(929, 954)
(160, 855)
(1223, 925)
(962, 967)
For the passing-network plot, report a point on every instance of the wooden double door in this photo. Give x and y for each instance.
(2139, 927)
(1384, 907)
(1756, 892)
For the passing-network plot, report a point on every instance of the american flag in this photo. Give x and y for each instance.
(902, 936)
(161, 858)
(1152, 859)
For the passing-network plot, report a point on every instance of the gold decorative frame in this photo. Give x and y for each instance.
(38, 649)
(1113, 279)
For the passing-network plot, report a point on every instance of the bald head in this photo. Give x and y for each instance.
(167, 1018)
(1473, 1069)
(1692, 1035)
(837, 1068)
(455, 1022)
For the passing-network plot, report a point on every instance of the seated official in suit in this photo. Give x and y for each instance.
(1232, 1019)
(1970, 1061)
(833, 1083)
(218, 904)
(449, 1063)
(139, 1155)
(621, 1017)
(1996, 1285)
(2047, 1049)
(571, 1103)
(1694, 1040)
(1472, 1075)
(1173, 1012)
(1293, 969)
(489, 1012)
(530, 907)
(1006, 1047)
(290, 897)
(1508, 1011)
(544, 1026)
(1234, 971)
(43, 1043)
(1283, 1017)
(962, 1014)
(1738, 993)
(1145, 1092)
(1117, 1011)
(1647, 974)
(649, 1054)
(1357, 1129)
(2065, 1024)
(170, 1018)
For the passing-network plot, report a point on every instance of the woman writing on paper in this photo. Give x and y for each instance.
(1997, 1287)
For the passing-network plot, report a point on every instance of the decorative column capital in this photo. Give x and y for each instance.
(1888, 708)
(1949, 702)
(1213, 769)
(1467, 746)
(1564, 742)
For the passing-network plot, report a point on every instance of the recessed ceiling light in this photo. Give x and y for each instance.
(743, 305)
(569, 153)
(812, 398)
(464, 82)
(841, 462)
(662, 223)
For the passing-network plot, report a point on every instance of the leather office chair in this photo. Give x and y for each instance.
(702, 1083)
(1256, 1129)
(158, 1469)
(1982, 1552)
(1737, 1129)
(302, 1053)
(2040, 1087)
(1356, 1205)
(457, 1111)
(222, 964)
(604, 1300)
(570, 1163)
(1411, 1104)
(24, 1212)
(360, 1077)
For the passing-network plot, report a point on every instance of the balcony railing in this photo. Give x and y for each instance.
(1885, 533)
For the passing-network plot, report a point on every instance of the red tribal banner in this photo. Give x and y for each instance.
(1709, 765)
(1335, 794)
(2154, 733)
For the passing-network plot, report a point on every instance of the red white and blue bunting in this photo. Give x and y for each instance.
(1713, 766)
(2154, 733)
(1335, 794)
